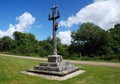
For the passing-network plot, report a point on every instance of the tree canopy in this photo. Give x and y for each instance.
(89, 40)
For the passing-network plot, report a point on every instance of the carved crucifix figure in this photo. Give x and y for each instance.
(55, 27)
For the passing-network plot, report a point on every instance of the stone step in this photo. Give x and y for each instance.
(58, 68)
(54, 64)
(61, 73)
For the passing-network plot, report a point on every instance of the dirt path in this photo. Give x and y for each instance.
(71, 61)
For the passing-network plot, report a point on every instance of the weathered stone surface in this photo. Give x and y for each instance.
(56, 73)
(54, 58)
(54, 64)
(54, 68)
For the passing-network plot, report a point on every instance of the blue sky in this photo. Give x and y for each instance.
(42, 28)
(73, 13)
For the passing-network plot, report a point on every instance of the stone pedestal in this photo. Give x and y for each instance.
(54, 66)
(54, 58)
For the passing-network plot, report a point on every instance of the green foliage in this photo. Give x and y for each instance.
(115, 34)
(91, 41)
(90, 38)
(88, 42)
(6, 44)
(46, 47)
(62, 49)
(25, 43)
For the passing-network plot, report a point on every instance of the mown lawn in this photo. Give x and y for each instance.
(10, 69)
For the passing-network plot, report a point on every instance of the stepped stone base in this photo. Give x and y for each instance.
(54, 66)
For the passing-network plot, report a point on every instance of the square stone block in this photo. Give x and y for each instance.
(54, 58)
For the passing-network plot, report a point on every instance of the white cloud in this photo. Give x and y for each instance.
(65, 37)
(104, 13)
(24, 23)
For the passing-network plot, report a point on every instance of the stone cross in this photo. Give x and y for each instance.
(53, 17)
(55, 66)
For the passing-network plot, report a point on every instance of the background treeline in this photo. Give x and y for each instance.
(88, 42)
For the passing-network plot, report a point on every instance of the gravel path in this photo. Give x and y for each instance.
(71, 61)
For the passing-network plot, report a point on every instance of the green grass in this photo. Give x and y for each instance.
(10, 73)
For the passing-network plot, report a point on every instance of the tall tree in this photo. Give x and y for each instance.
(25, 42)
(115, 34)
(6, 43)
(46, 47)
(89, 39)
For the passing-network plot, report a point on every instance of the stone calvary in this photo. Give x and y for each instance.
(54, 66)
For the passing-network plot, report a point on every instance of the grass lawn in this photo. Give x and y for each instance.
(10, 73)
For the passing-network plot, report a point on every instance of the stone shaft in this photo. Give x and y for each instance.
(55, 26)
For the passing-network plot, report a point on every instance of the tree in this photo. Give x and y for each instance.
(26, 43)
(89, 40)
(6, 43)
(46, 47)
(115, 35)
(62, 49)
